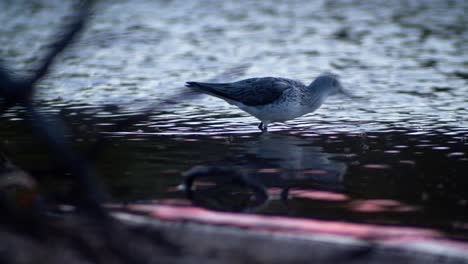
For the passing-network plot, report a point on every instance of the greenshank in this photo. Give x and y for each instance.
(273, 99)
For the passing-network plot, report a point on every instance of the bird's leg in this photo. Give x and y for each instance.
(263, 127)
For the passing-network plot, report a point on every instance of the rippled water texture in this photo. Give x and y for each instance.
(397, 156)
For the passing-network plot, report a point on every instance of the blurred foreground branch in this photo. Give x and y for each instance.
(97, 238)
(15, 91)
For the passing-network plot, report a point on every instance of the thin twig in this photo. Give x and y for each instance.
(70, 32)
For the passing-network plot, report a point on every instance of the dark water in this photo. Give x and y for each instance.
(399, 156)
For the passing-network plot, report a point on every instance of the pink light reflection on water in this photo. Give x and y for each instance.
(288, 225)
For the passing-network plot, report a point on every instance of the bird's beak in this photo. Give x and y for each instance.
(347, 93)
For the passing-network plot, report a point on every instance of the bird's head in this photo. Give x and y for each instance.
(330, 84)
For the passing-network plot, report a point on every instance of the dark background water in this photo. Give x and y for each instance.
(399, 156)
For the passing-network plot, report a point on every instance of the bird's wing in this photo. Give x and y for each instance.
(255, 91)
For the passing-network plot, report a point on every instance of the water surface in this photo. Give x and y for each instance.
(399, 156)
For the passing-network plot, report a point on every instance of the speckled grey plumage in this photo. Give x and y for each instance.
(272, 99)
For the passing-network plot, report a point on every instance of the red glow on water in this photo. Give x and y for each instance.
(286, 224)
(374, 206)
(269, 170)
(175, 201)
(315, 172)
(319, 195)
(376, 166)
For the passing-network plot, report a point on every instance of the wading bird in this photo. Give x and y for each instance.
(272, 99)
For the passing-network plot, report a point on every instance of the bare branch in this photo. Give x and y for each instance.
(70, 32)
(91, 193)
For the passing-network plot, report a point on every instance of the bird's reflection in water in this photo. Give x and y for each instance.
(265, 168)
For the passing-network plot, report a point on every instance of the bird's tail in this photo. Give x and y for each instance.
(196, 86)
(191, 84)
(214, 89)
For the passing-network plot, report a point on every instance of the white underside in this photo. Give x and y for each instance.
(273, 113)
(277, 112)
